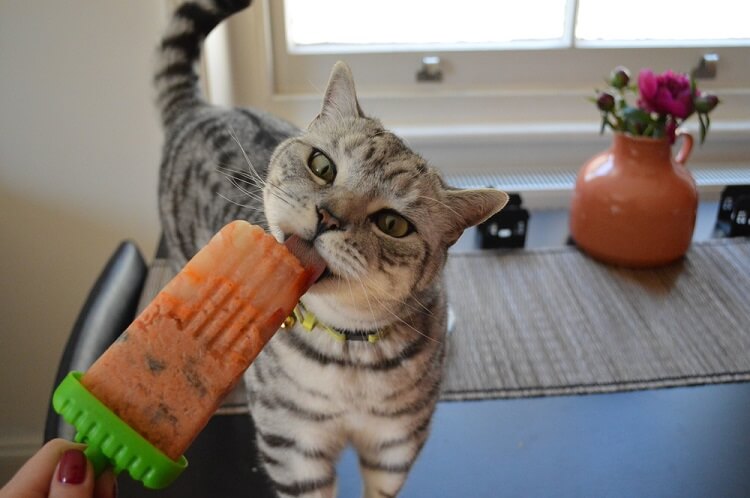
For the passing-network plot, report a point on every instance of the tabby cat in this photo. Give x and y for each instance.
(369, 373)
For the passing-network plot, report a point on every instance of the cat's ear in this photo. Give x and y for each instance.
(341, 98)
(472, 207)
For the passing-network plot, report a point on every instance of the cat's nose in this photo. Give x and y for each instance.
(326, 221)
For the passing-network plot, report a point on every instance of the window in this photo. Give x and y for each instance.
(397, 25)
(649, 23)
(394, 25)
(490, 46)
(516, 75)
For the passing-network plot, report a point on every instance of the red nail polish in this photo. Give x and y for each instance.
(72, 467)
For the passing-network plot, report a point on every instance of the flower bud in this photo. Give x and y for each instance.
(620, 77)
(706, 102)
(605, 102)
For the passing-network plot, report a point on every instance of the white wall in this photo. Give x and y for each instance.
(79, 153)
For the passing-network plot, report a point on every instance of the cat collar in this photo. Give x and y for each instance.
(310, 322)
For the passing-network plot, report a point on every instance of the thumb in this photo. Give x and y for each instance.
(34, 478)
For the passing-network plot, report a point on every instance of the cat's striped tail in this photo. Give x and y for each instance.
(176, 78)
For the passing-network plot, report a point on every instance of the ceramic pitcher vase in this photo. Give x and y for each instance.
(635, 205)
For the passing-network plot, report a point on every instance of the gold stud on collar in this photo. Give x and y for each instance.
(289, 322)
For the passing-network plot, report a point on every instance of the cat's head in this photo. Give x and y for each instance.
(379, 215)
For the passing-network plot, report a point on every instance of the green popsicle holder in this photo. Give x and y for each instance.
(110, 441)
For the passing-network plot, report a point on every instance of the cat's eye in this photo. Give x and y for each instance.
(322, 167)
(393, 224)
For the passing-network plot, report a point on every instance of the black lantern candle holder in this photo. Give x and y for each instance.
(733, 219)
(506, 229)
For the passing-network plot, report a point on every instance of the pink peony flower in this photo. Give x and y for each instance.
(668, 93)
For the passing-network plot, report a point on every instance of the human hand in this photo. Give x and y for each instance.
(60, 470)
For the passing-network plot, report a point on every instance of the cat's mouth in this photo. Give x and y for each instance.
(310, 258)
(327, 273)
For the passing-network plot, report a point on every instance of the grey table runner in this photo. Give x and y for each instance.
(551, 322)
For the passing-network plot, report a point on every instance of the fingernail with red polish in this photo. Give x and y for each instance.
(72, 467)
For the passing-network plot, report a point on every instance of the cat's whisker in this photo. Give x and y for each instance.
(246, 177)
(236, 203)
(389, 311)
(230, 175)
(235, 182)
(427, 310)
(288, 202)
(234, 137)
(247, 158)
(245, 191)
(253, 180)
(255, 177)
(420, 308)
(273, 186)
(278, 187)
(367, 298)
(351, 293)
(227, 172)
(404, 302)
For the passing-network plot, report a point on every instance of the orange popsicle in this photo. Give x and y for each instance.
(169, 371)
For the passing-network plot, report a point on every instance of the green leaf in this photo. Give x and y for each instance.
(636, 115)
(636, 121)
(703, 127)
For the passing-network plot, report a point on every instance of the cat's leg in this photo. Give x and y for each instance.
(298, 441)
(298, 430)
(386, 454)
(300, 461)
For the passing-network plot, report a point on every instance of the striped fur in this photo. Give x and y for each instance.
(311, 395)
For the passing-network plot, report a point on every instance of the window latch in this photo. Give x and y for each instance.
(430, 70)
(707, 67)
